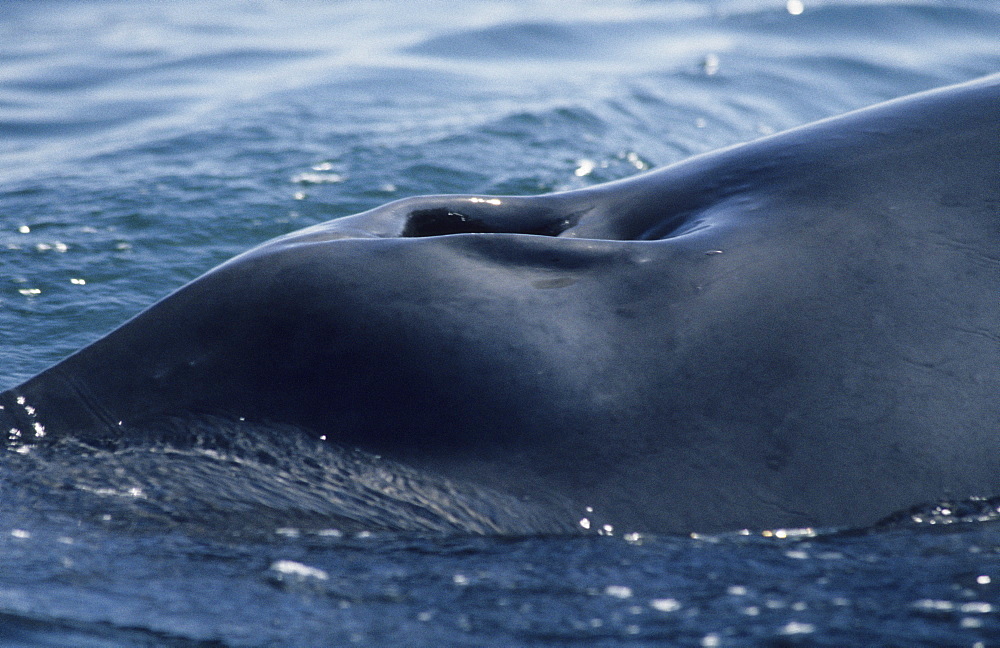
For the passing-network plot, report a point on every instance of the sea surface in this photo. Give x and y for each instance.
(141, 144)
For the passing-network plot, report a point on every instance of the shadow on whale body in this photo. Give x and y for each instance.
(799, 331)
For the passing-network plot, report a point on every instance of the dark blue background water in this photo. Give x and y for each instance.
(142, 144)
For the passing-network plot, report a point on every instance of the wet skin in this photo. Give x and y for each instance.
(799, 331)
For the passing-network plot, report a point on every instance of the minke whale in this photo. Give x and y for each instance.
(800, 331)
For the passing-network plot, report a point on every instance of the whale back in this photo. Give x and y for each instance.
(801, 330)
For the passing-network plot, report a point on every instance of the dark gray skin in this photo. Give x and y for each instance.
(799, 331)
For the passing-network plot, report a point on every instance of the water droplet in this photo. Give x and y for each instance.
(618, 591)
(710, 64)
(665, 604)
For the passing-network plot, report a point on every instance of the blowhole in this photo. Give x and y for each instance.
(442, 221)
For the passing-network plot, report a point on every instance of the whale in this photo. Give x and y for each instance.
(798, 331)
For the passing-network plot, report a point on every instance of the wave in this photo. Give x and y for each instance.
(234, 479)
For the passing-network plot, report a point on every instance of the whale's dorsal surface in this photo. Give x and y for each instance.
(803, 330)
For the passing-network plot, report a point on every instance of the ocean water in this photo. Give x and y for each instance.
(142, 144)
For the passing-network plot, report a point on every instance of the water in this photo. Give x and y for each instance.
(142, 144)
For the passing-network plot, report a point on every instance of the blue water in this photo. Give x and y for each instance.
(143, 143)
